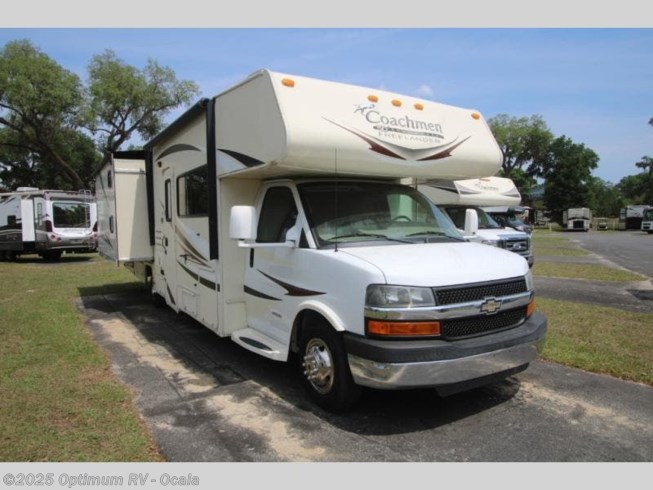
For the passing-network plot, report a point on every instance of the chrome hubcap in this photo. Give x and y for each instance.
(318, 366)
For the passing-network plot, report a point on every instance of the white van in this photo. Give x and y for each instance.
(274, 214)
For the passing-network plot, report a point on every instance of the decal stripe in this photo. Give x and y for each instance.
(292, 290)
(176, 149)
(374, 146)
(244, 159)
(444, 153)
(204, 282)
(170, 294)
(192, 251)
(258, 294)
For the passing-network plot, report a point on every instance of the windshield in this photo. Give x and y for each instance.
(364, 212)
(648, 215)
(71, 214)
(457, 215)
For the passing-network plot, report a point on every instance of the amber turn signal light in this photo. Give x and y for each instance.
(379, 327)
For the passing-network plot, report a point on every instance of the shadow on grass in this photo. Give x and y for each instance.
(124, 287)
(65, 259)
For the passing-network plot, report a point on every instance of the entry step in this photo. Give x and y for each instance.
(257, 342)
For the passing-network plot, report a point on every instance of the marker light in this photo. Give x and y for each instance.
(419, 106)
(287, 82)
(476, 115)
(530, 309)
(396, 102)
(372, 98)
(380, 327)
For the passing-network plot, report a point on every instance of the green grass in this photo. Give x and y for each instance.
(60, 401)
(559, 251)
(599, 339)
(593, 272)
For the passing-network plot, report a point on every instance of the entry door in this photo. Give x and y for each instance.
(165, 274)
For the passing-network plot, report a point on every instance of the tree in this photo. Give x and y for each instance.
(46, 114)
(605, 198)
(646, 163)
(567, 171)
(39, 104)
(637, 189)
(125, 100)
(524, 142)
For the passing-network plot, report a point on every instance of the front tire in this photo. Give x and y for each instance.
(324, 367)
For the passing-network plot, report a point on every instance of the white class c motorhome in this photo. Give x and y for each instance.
(273, 213)
(47, 223)
(577, 219)
(482, 195)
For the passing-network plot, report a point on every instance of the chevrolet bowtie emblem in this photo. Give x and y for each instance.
(490, 305)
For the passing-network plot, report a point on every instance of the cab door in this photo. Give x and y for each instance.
(269, 271)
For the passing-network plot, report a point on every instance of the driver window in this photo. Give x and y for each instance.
(278, 215)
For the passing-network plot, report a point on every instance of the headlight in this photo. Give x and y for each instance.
(494, 243)
(384, 296)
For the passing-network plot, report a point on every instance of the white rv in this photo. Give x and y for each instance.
(577, 219)
(631, 217)
(47, 223)
(647, 220)
(482, 195)
(273, 213)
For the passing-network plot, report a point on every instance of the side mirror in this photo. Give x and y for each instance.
(471, 222)
(293, 235)
(243, 223)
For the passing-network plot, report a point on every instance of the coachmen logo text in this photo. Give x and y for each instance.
(401, 137)
(401, 127)
(490, 305)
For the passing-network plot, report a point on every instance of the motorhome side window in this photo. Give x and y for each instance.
(193, 193)
(39, 214)
(109, 180)
(168, 199)
(278, 215)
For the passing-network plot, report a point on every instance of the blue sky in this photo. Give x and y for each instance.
(593, 85)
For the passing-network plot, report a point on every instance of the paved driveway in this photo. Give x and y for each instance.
(206, 399)
(628, 250)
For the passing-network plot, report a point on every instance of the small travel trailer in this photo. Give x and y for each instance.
(47, 223)
(274, 213)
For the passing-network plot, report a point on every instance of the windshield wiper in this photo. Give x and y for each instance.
(434, 233)
(367, 235)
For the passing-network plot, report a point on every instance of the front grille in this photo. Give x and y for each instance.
(470, 292)
(518, 246)
(467, 327)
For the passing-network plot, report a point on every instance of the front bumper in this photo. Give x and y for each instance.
(431, 363)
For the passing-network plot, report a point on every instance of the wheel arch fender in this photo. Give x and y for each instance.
(313, 311)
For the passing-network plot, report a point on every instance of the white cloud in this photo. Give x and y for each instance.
(425, 91)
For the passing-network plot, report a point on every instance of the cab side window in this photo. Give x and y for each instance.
(278, 215)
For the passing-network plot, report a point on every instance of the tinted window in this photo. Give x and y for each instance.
(278, 215)
(193, 193)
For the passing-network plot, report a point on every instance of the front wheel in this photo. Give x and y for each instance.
(324, 367)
